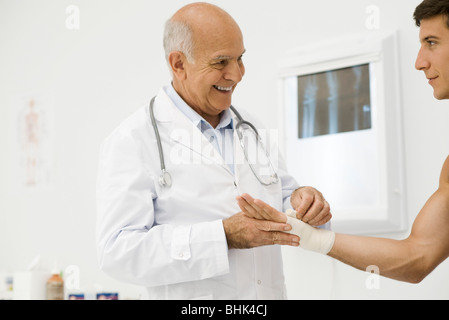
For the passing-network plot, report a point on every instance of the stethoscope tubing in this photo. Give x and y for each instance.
(165, 179)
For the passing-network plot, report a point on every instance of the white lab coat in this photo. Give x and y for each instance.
(171, 240)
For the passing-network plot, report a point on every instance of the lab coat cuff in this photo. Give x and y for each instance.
(180, 245)
(208, 241)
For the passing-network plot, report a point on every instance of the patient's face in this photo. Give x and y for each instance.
(433, 57)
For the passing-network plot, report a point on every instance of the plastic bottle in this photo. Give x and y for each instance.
(55, 286)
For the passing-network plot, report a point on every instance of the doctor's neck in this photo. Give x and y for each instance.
(201, 106)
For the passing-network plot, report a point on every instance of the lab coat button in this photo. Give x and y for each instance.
(259, 282)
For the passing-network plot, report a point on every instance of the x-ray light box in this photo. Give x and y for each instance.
(343, 131)
(334, 101)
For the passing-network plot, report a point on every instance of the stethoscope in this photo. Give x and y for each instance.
(165, 179)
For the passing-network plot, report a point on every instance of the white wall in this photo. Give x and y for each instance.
(102, 72)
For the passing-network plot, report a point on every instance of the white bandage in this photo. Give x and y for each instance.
(312, 239)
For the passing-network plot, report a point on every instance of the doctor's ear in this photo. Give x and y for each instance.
(177, 61)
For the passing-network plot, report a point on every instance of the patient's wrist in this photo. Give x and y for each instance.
(312, 239)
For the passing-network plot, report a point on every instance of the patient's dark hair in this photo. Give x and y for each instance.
(431, 8)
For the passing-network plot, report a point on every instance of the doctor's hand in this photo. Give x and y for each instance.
(257, 209)
(243, 232)
(310, 206)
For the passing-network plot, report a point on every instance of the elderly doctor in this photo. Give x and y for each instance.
(186, 237)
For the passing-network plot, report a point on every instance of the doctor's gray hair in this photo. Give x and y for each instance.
(178, 36)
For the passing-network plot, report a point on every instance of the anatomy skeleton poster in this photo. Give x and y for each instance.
(31, 141)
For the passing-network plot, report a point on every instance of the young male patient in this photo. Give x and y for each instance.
(411, 259)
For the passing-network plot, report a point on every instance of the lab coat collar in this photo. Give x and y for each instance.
(163, 107)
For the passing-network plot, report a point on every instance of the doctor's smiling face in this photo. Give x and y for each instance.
(207, 83)
(433, 57)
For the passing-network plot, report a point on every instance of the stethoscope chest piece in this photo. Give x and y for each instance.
(165, 179)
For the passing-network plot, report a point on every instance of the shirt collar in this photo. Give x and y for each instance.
(226, 121)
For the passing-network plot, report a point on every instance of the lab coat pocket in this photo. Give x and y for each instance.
(180, 246)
